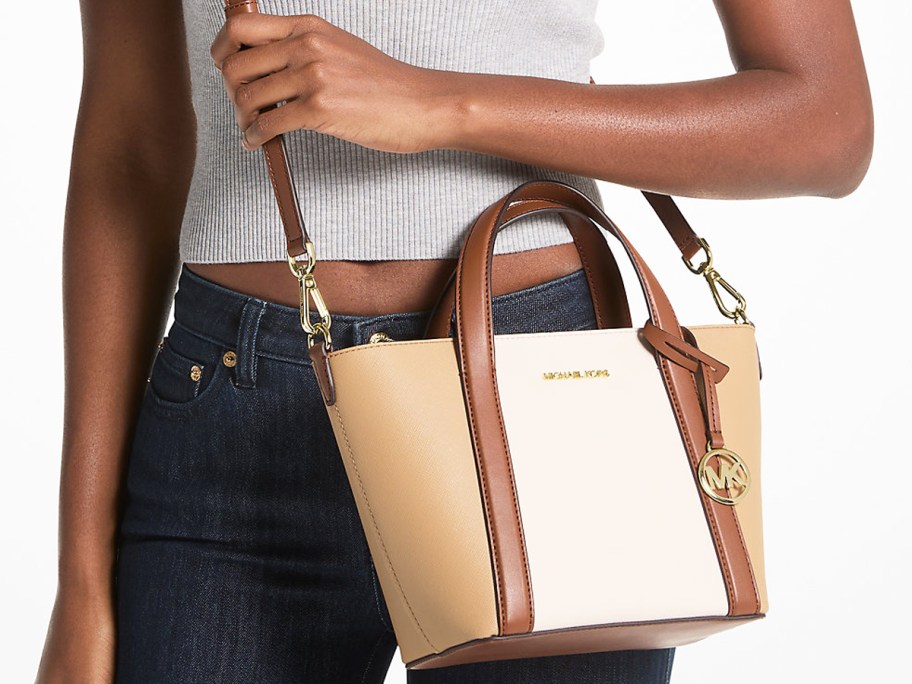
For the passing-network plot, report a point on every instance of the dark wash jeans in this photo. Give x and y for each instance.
(241, 557)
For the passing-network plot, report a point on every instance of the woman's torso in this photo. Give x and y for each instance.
(386, 227)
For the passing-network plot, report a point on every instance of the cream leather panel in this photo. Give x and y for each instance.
(399, 406)
(739, 408)
(617, 533)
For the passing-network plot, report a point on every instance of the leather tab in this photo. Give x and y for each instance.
(685, 354)
(322, 370)
(707, 385)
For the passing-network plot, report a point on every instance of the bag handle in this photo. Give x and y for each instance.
(606, 285)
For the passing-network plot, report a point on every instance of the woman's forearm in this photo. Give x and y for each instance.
(120, 265)
(795, 119)
(757, 133)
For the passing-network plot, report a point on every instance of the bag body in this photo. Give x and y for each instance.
(619, 551)
(621, 507)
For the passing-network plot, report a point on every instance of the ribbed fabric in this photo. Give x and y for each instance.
(363, 204)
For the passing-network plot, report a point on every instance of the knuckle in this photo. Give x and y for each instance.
(234, 26)
(318, 102)
(311, 41)
(243, 96)
(315, 72)
(230, 67)
(310, 21)
(262, 127)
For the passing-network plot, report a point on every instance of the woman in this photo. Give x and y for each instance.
(207, 531)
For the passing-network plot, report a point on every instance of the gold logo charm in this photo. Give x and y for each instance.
(724, 476)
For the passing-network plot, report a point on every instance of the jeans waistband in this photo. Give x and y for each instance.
(234, 318)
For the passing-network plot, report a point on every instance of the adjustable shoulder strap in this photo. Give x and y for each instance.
(277, 164)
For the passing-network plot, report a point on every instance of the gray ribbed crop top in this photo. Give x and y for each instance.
(364, 204)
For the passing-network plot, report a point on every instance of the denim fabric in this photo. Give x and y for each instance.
(241, 557)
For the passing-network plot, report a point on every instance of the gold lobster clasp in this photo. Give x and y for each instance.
(307, 290)
(715, 281)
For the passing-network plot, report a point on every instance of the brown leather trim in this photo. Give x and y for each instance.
(687, 354)
(320, 361)
(489, 440)
(476, 356)
(707, 371)
(438, 324)
(614, 637)
(606, 286)
(675, 223)
(238, 6)
(722, 519)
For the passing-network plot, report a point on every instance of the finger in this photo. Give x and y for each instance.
(257, 29)
(247, 30)
(252, 64)
(274, 122)
(259, 94)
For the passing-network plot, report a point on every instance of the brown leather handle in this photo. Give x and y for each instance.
(606, 286)
(474, 320)
(290, 212)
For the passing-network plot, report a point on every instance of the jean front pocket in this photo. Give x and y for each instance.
(186, 370)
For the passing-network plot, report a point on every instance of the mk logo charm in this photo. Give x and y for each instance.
(724, 476)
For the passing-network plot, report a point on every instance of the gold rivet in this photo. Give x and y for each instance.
(379, 336)
(229, 358)
(195, 372)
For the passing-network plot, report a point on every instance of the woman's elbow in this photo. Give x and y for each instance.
(845, 149)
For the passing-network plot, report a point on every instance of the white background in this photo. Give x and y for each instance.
(827, 283)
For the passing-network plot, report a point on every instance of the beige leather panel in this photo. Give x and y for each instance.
(412, 452)
(614, 526)
(739, 406)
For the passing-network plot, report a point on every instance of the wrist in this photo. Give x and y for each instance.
(89, 574)
(451, 108)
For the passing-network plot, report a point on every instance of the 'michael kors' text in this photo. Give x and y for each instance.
(575, 374)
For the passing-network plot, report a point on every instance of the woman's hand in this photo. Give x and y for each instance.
(333, 82)
(80, 642)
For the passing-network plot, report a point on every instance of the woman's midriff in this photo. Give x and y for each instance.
(377, 287)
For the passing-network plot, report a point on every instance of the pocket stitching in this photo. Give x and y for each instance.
(182, 369)
(179, 407)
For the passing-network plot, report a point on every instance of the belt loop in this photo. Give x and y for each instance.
(245, 369)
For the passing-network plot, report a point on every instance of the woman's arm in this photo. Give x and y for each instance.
(132, 158)
(796, 118)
